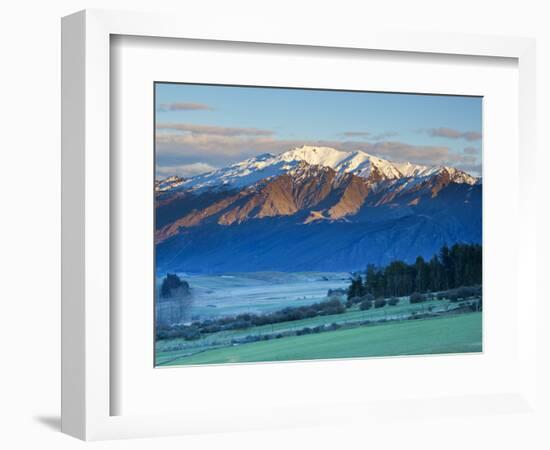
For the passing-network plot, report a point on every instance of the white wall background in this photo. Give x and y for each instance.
(30, 196)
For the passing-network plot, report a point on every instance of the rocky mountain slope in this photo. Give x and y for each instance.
(313, 208)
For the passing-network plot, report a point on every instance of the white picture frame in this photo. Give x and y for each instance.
(87, 386)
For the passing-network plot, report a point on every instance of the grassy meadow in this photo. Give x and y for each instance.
(440, 326)
(453, 334)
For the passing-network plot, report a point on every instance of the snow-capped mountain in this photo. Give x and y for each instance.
(313, 208)
(357, 162)
(169, 183)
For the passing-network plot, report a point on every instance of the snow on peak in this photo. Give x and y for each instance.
(167, 184)
(459, 176)
(357, 162)
(414, 170)
(319, 156)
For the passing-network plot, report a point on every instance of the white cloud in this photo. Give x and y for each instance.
(227, 149)
(178, 143)
(185, 170)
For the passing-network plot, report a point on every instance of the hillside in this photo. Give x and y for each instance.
(313, 209)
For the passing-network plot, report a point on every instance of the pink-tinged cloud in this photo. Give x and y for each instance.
(369, 135)
(184, 106)
(451, 133)
(212, 130)
(222, 149)
(360, 134)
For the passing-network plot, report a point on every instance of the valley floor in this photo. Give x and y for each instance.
(257, 292)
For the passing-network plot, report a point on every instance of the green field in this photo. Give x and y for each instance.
(451, 334)
(170, 349)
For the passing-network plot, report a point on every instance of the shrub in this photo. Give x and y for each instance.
(365, 304)
(332, 307)
(465, 292)
(452, 296)
(303, 331)
(248, 339)
(211, 328)
(247, 320)
(187, 332)
(353, 301)
(380, 302)
(238, 325)
(442, 295)
(393, 301)
(416, 297)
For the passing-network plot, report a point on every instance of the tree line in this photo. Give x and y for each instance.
(452, 267)
(173, 286)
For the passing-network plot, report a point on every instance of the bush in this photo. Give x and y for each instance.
(211, 328)
(238, 325)
(353, 301)
(452, 296)
(380, 302)
(332, 307)
(465, 292)
(247, 320)
(303, 331)
(246, 317)
(365, 304)
(393, 301)
(187, 332)
(442, 295)
(416, 297)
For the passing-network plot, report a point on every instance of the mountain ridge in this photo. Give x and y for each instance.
(358, 162)
(282, 212)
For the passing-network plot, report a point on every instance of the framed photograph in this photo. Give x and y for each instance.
(270, 229)
(297, 244)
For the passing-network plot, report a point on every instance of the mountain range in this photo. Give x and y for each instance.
(312, 209)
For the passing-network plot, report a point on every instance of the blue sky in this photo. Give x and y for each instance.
(201, 127)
